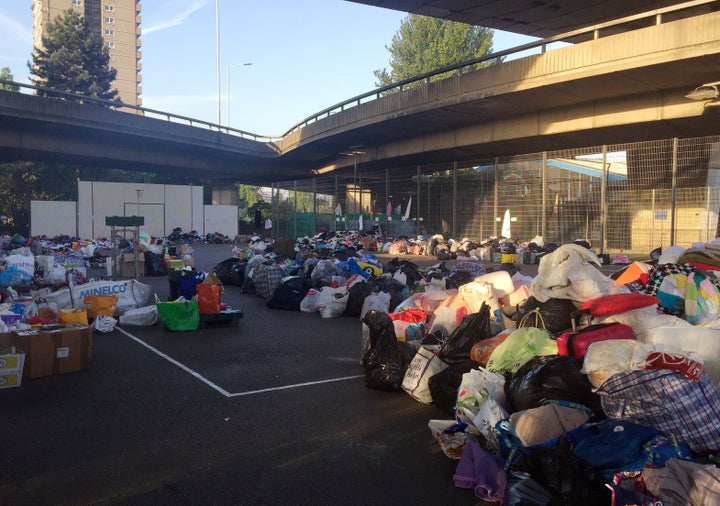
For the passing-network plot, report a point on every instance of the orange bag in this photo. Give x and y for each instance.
(100, 305)
(481, 351)
(208, 297)
(73, 315)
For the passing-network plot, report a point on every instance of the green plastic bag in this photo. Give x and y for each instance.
(179, 315)
(519, 347)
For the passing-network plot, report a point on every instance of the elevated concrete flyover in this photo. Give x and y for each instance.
(623, 88)
(50, 128)
(546, 18)
(626, 87)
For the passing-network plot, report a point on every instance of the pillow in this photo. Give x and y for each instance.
(618, 303)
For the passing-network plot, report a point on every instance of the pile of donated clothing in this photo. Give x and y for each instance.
(570, 387)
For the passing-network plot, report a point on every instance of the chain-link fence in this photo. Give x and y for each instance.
(626, 198)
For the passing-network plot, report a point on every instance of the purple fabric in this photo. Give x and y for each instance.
(482, 472)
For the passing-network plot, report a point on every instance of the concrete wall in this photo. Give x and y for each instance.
(164, 207)
(52, 218)
(222, 219)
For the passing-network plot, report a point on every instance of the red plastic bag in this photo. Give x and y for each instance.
(410, 315)
(208, 297)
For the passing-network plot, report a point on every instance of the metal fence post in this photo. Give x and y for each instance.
(387, 199)
(273, 207)
(674, 190)
(295, 232)
(707, 215)
(360, 202)
(314, 190)
(543, 194)
(496, 196)
(653, 219)
(417, 205)
(603, 201)
(454, 201)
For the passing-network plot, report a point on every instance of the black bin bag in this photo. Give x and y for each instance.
(550, 378)
(387, 359)
(553, 315)
(224, 269)
(444, 385)
(551, 475)
(473, 328)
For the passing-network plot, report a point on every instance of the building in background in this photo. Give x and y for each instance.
(117, 22)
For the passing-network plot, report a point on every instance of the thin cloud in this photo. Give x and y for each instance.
(14, 29)
(169, 103)
(177, 20)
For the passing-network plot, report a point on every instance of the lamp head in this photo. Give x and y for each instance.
(708, 91)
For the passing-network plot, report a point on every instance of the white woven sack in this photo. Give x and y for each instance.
(424, 364)
(140, 317)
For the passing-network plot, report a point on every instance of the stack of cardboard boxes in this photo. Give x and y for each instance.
(44, 352)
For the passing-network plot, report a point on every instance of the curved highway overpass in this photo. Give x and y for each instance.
(625, 87)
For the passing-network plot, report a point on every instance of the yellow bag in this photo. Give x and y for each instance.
(73, 315)
(100, 305)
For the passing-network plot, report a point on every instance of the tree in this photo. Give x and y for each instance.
(26, 181)
(6, 75)
(73, 59)
(423, 44)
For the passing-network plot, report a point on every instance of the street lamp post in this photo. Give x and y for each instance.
(231, 65)
(217, 55)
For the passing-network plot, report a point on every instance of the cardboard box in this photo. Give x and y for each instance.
(127, 268)
(12, 360)
(59, 351)
(175, 263)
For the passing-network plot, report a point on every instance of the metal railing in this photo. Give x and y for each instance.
(144, 111)
(591, 32)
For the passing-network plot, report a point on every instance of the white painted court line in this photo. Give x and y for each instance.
(296, 385)
(220, 389)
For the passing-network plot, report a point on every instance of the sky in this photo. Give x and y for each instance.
(305, 56)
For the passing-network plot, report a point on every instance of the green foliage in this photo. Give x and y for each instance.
(73, 59)
(423, 44)
(26, 181)
(250, 199)
(6, 75)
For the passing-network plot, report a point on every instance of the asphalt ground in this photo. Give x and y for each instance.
(273, 411)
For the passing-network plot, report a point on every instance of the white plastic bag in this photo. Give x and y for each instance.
(104, 323)
(332, 301)
(487, 417)
(140, 317)
(481, 403)
(309, 303)
(476, 387)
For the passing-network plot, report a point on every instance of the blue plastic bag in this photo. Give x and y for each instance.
(13, 276)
